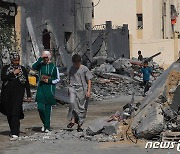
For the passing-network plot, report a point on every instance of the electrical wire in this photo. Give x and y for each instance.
(128, 137)
(97, 3)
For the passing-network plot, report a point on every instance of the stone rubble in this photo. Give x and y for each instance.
(110, 88)
(159, 110)
(101, 130)
(55, 136)
(112, 79)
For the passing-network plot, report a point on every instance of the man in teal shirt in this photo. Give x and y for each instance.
(147, 72)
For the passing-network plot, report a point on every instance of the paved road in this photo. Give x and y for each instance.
(96, 110)
(75, 147)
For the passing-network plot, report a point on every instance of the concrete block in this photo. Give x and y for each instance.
(111, 128)
(150, 123)
(96, 127)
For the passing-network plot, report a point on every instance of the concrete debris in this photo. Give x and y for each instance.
(111, 131)
(55, 136)
(176, 99)
(111, 128)
(152, 122)
(96, 127)
(107, 126)
(112, 78)
(122, 63)
(111, 85)
(159, 111)
(105, 68)
(119, 77)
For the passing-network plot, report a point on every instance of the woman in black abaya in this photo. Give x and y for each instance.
(15, 82)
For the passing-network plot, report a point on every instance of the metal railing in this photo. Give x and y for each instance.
(99, 27)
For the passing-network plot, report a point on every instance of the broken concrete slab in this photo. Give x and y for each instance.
(103, 125)
(170, 136)
(111, 128)
(176, 99)
(158, 86)
(104, 68)
(122, 63)
(96, 127)
(149, 121)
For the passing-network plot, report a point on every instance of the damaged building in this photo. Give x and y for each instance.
(65, 27)
(50, 25)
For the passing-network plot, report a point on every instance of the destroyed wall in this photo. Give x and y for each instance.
(62, 18)
(167, 47)
(114, 40)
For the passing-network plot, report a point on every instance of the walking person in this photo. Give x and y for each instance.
(15, 82)
(48, 78)
(147, 72)
(79, 91)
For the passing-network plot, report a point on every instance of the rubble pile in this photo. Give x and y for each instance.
(121, 77)
(114, 86)
(156, 67)
(58, 135)
(101, 130)
(159, 110)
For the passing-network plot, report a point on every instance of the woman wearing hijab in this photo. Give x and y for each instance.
(48, 78)
(15, 82)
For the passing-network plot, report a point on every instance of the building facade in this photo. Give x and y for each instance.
(55, 25)
(154, 25)
(147, 19)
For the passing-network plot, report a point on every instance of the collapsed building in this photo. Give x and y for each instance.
(50, 25)
(64, 27)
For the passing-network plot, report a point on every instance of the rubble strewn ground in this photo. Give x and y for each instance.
(114, 85)
(152, 117)
(112, 79)
(30, 128)
(55, 136)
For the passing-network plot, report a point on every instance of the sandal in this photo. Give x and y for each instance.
(70, 125)
(79, 129)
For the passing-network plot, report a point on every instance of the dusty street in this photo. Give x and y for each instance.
(31, 125)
